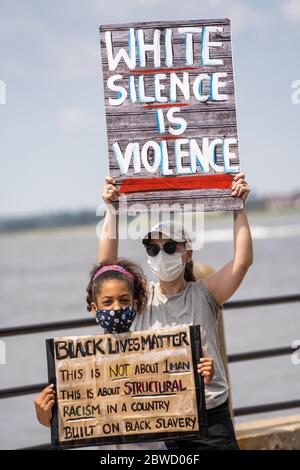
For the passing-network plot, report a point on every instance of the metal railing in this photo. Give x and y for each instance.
(237, 357)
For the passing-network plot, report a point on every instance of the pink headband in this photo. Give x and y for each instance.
(113, 267)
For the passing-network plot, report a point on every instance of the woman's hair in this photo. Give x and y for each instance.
(201, 270)
(189, 272)
(195, 271)
(138, 287)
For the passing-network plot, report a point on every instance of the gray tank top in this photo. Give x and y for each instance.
(194, 305)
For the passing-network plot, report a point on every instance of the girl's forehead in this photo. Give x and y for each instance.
(114, 286)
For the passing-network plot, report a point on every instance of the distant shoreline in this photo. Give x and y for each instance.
(66, 221)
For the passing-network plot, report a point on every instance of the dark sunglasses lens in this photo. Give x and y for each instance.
(152, 249)
(170, 247)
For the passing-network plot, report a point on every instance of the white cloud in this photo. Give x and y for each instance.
(73, 119)
(291, 10)
(243, 17)
(217, 3)
(72, 57)
(49, 49)
(29, 26)
(243, 14)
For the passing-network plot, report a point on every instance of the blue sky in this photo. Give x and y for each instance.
(52, 127)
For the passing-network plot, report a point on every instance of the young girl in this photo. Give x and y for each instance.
(121, 289)
(178, 298)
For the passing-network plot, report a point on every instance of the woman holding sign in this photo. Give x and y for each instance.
(179, 299)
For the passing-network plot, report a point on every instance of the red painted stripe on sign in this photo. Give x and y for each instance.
(169, 137)
(172, 183)
(149, 71)
(165, 105)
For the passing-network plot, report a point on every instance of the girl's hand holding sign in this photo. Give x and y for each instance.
(43, 405)
(206, 369)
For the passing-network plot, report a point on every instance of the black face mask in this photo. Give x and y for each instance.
(116, 321)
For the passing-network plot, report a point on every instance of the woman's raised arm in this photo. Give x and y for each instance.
(223, 283)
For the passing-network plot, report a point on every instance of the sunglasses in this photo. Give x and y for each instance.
(168, 247)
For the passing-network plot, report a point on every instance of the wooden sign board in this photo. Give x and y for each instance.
(170, 113)
(130, 387)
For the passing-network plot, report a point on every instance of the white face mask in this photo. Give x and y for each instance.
(166, 267)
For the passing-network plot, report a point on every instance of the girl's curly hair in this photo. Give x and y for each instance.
(138, 287)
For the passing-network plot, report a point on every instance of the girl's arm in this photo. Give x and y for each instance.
(43, 405)
(223, 283)
(108, 242)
